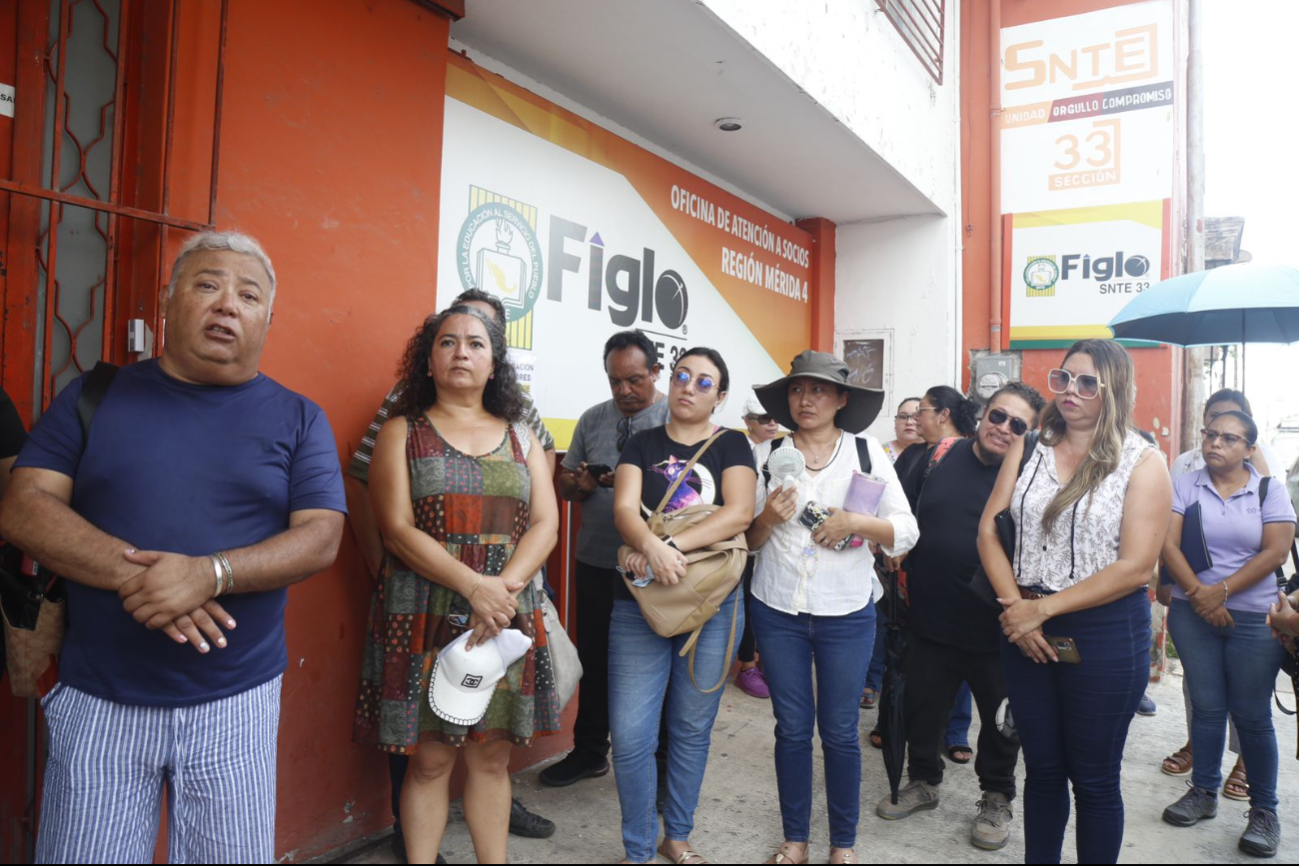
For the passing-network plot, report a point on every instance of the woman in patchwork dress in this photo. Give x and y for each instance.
(464, 499)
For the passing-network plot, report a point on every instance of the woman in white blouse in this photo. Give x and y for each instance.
(812, 603)
(1090, 511)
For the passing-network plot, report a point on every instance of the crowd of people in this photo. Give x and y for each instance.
(1018, 538)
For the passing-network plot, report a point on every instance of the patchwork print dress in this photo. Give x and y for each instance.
(477, 508)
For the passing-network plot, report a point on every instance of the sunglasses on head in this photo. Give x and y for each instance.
(1085, 385)
(997, 417)
(703, 383)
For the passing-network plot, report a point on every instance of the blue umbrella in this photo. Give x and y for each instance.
(1246, 303)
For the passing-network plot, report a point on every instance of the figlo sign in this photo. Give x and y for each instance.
(583, 234)
(631, 286)
(1087, 167)
(499, 251)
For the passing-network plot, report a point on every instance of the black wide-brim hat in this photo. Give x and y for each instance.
(860, 412)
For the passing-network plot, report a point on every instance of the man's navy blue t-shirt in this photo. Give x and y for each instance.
(189, 469)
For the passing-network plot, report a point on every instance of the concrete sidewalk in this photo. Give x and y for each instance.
(738, 820)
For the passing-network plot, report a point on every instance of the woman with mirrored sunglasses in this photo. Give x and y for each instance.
(1218, 617)
(1090, 511)
(645, 670)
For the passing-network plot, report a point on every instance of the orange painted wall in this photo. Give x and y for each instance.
(1159, 378)
(823, 254)
(331, 155)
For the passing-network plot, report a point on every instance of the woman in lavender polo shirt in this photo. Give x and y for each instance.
(1218, 620)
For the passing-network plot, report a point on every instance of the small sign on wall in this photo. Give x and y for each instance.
(7, 100)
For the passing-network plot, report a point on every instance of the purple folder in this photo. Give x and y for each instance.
(864, 495)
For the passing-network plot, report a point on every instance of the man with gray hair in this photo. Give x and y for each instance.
(200, 492)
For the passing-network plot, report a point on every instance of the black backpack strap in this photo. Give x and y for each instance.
(1030, 445)
(766, 473)
(1263, 486)
(92, 394)
(863, 454)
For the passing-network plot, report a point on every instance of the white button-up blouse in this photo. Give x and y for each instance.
(795, 575)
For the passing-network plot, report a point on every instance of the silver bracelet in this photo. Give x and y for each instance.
(229, 570)
(220, 575)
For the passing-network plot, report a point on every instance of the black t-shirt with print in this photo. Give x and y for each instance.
(943, 608)
(661, 459)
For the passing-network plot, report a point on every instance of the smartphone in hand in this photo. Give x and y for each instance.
(1065, 649)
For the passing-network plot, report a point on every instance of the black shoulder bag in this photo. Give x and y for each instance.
(32, 607)
(980, 585)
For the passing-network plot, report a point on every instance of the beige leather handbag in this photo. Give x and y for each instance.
(712, 574)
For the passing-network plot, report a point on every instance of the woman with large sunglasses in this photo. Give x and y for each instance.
(1090, 511)
(645, 669)
(1218, 617)
(813, 610)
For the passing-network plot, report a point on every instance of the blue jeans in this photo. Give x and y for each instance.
(958, 730)
(1073, 723)
(645, 670)
(875, 673)
(1230, 670)
(840, 647)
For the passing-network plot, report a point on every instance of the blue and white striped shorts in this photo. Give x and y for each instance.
(109, 762)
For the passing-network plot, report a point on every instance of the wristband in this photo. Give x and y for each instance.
(220, 575)
(475, 589)
(672, 543)
(1226, 592)
(229, 572)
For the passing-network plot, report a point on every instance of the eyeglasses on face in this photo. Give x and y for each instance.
(997, 417)
(1085, 385)
(1228, 439)
(761, 419)
(906, 418)
(703, 383)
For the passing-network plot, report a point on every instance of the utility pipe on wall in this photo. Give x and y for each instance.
(994, 175)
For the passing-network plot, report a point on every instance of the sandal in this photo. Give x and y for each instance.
(953, 751)
(1179, 763)
(1237, 786)
(784, 854)
(685, 858)
(868, 699)
(845, 855)
(876, 738)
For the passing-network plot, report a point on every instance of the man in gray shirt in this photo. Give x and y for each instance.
(586, 476)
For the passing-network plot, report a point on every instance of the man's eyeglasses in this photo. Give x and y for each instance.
(703, 384)
(1228, 439)
(997, 417)
(761, 419)
(1085, 385)
(906, 418)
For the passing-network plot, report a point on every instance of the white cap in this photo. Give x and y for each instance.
(753, 406)
(464, 680)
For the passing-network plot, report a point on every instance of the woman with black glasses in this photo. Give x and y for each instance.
(1218, 617)
(1090, 511)
(645, 669)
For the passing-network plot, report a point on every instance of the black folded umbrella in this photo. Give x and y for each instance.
(890, 724)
